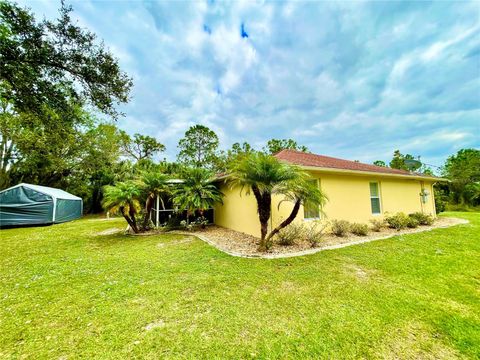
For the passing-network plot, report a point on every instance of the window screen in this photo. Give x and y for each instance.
(375, 198)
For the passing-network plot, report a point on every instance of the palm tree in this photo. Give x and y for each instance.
(153, 184)
(123, 197)
(197, 192)
(265, 176)
(300, 191)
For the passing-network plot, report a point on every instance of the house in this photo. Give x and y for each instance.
(356, 192)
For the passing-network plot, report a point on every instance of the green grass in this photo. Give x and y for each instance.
(66, 291)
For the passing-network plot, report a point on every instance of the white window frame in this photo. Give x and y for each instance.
(375, 197)
(319, 212)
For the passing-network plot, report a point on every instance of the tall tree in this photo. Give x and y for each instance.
(199, 147)
(276, 145)
(463, 169)
(238, 149)
(46, 150)
(380, 163)
(99, 165)
(56, 65)
(78, 156)
(141, 147)
(10, 126)
(233, 154)
(398, 160)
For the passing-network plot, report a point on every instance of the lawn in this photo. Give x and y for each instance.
(68, 292)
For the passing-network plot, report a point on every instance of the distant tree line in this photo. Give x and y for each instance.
(56, 82)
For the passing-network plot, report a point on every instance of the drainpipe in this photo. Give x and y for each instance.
(422, 189)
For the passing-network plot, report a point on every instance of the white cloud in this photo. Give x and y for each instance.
(351, 79)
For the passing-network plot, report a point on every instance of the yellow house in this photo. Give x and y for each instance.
(356, 192)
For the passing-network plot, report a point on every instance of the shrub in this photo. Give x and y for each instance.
(440, 200)
(340, 227)
(188, 227)
(412, 222)
(422, 219)
(359, 229)
(202, 221)
(289, 234)
(377, 224)
(398, 221)
(313, 233)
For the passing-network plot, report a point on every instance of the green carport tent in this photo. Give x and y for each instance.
(26, 204)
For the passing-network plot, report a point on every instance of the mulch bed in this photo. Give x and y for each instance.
(240, 244)
(243, 245)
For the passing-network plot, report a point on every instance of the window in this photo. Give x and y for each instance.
(375, 198)
(311, 211)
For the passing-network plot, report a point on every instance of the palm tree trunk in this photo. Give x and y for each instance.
(132, 218)
(148, 209)
(287, 221)
(129, 221)
(264, 202)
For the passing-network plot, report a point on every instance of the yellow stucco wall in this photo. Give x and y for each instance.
(349, 199)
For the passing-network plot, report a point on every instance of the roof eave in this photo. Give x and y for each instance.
(370, 173)
(357, 172)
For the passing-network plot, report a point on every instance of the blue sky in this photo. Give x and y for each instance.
(355, 80)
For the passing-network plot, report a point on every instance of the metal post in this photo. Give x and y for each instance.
(157, 211)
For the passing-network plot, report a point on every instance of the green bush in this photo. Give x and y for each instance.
(313, 233)
(412, 222)
(397, 221)
(340, 227)
(440, 200)
(359, 229)
(202, 222)
(423, 219)
(186, 226)
(377, 224)
(290, 234)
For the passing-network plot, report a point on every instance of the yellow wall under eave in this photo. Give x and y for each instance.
(349, 199)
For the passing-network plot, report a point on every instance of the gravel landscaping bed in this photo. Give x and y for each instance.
(240, 244)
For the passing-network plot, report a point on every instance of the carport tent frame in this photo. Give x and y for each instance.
(55, 194)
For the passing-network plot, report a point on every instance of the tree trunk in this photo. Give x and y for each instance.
(287, 221)
(132, 219)
(148, 209)
(264, 203)
(129, 221)
(201, 212)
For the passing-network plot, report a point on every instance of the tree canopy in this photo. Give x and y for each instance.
(56, 65)
(463, 169)
(398, 160)
(276, 145)
(140, 147)
(199, 147)
(380, 163)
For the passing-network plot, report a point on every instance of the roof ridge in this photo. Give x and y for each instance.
(301, 158)
(337, 158)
